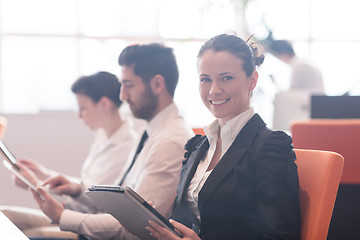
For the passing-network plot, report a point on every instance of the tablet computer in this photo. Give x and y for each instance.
(17, 173)
(9, 157)
(129, 208)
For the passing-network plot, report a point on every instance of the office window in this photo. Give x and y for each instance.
(324, 31)
(38, 16)
(46, 44)
(125, 18)
(200, 19)
(36, 73)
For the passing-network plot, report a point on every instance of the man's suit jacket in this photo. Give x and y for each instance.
(252, 193)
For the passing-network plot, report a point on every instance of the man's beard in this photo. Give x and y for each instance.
(147, 106)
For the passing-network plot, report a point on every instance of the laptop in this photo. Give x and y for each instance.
(335, 106)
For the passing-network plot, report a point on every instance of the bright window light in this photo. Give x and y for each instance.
(46, 45)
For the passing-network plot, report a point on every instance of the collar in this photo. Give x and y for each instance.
(116, 138)
(231, 128)
(158, 121)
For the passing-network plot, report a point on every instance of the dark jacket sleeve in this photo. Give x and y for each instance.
(277, 187)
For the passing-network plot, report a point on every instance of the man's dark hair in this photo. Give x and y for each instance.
(281, 47)
(98, 85)
(150, 60)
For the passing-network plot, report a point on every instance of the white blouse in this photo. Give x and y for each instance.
(228, 133)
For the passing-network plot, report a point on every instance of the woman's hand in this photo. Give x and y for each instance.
(162, 233)
(61, 185)
(39, 170)
(52, 208)
(26, 173)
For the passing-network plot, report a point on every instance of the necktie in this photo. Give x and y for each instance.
(138, 150)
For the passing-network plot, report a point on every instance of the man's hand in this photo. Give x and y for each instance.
(52, 208)
(61, 185)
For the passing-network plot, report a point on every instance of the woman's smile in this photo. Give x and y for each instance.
(219, 102)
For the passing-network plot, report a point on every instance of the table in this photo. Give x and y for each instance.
(9, 231)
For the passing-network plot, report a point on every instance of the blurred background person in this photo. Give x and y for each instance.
(305, 75)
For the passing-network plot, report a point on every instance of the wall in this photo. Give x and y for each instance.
(59, 140)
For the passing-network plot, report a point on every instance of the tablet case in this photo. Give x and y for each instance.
(9, 156)
(128, 208)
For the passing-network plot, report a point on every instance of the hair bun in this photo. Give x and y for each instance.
(258, 53)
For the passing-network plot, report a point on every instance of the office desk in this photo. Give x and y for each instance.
(9, 231)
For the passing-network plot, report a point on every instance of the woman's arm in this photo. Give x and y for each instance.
(277, 188)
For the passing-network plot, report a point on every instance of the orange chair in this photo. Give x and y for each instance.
(337, 135)
(319, 177)
(341, 136)
(3, 123)
(199, 131)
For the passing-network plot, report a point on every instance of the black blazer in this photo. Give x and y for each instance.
(252, 193)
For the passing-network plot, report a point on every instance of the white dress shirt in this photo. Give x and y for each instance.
(228, 134)
(106, 158)
(154, 176)
(108, 155)
(305, 75)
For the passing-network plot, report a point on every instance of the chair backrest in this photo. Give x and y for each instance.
(199, 131)
(336, 135)
(319, 177)
(3, 123)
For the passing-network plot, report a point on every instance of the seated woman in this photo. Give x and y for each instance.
(239, 181)
(98, 100)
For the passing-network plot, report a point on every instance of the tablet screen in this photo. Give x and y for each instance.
(9, 156)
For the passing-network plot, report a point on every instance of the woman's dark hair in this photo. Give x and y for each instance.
(252, 54)
(98, 85)
(152, 59)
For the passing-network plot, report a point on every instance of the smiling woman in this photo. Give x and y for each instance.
(225, 88)
(239, 181)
